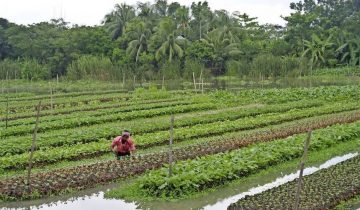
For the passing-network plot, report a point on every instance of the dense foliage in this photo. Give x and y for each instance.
(168, 39)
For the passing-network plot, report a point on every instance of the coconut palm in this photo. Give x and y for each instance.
(225, 48)
(116, 21)
(171, 48)
(161, 7)
(139, 43)
(182, 18)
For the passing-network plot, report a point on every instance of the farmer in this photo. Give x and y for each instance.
(123, 145)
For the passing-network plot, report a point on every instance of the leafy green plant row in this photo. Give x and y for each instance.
(251, 122)
(26, 106)
(349, 204)
(209, 171)
(25, 97)
(80, 177)
(327, 93)
(86, 121)
(52, 155)
(17, 145)
(58, 103)
(86, 107)
(97, 113)
(321, 190)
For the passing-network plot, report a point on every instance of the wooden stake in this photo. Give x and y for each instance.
(170, 144)
(7, 101)
(194, 81)
(57, 79)
(163, 83)
(123, 83)
(134, 81)
(202, 85)
(33, 146)
(302, 165)
(51, 98)
(7, 111)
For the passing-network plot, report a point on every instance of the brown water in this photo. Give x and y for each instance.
(93, 199)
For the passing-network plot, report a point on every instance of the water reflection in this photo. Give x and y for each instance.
(220, 199)
(279, 181)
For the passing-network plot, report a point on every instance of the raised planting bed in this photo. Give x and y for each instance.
(56, 181)
(324, 189)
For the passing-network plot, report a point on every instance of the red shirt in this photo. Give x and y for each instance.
(123, 148)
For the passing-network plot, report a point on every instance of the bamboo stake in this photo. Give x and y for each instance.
(33, 146)
(7, 112)
(194, 81)
(202, 85)
(51, 98)
(123, 82)
(302, 165)
(7, 101)
(57, 79)
(163, 83)
(170, 144)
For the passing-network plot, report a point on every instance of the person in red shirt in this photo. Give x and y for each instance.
(123, 145)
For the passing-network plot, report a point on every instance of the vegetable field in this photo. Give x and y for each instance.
(219, 137)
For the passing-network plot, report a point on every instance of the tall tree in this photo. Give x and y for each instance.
(170, 48)
(224, 48)
(202, 14)
(116, 21)
(182, 18)
(161, 7)
(139, 36)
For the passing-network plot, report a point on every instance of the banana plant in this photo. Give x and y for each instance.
(315, 50)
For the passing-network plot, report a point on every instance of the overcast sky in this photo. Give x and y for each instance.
(91, 12)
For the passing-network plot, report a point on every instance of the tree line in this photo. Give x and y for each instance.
(170, 40)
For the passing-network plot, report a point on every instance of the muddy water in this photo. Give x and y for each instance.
(220, 199)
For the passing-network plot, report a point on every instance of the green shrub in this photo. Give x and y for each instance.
(91, 67)
(26, 68)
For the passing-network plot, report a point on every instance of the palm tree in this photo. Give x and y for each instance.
(182, 18)
(161, 7)
(171, 48)
(316, 49)
(202, 14)
(139, 43)
(116, 21)
(225, 47)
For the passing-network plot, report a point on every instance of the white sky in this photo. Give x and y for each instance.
(91, 12)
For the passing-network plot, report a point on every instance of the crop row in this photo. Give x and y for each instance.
(321, 190)
(210, 171)
(17, 145)
(87, 107)
(86, 121)
(327, 93)
(273, 95)
(97, 113)
(219, 127)
(25, 97)
(26, 106)
(95, 148)
(84, 176)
